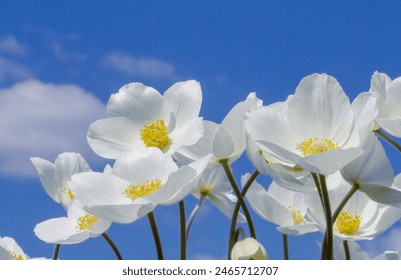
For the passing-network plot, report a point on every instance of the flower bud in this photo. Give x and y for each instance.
(248, 249)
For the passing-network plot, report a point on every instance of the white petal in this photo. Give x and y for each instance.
(68, 164)
(138, 103)
(393, 99)
(383, 195)
(391, 126)
(379, 83)
(223, 145)
(225, 205)
(143, 165)
(47, 176)
(186, 134)
(185, 99)
(320, 108)
(60, 231)
(124, 214)
(110, 138)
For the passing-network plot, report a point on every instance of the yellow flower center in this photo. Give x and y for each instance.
(86, 222)
(140, 190)
(70, 194)
(16, 256)
(155, 135)
(297, 216)
(347, 223)
(204, 191)
(314, 146)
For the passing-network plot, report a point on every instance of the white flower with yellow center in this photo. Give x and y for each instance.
(138, 116)
(388, 93)
(280, 206)
(138, 182)
(10, 250)
(55, 176)
(77, 227)
(360, 218)
(311, 130)
(223, 141)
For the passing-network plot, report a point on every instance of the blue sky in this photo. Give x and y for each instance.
(77, 53)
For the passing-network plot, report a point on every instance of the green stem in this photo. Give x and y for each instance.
(329, 221)
(56, 251)
(156, 236)
(346, 250)
(183, 235)
(112, 245)
(319, 190)
(236, 212)
(285, 246)
(388, 139)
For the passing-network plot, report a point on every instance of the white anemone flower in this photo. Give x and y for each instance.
(248, 249)
(138, 116)
(77, 227)
(280, 206)
(139, 181)
(315, 129)
(360, 219)
(389, 100)
(55, 176)
(214, 186)
(10, 250)
(372, 173)
(223, 141)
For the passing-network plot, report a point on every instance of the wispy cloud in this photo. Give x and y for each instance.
(143, 67)
(64, 54)
(12, 71)
(10, 45)
(41, 119)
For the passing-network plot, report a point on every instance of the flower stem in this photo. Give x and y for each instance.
(236, 210)
(346, 250)
(56, 251)
(388, 139)
(156, 236)
(112, 245)
(329, 218)
(183, 235)
(285, 246)
(193, 214)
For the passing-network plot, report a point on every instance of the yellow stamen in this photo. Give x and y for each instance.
(16, 256)
(205, 190)
(155, 135)
(70, 194)
(297, 216)
(140, 190)
(314, 146)
(86, 222)
(347, 223)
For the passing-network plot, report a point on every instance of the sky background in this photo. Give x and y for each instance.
(61, 60)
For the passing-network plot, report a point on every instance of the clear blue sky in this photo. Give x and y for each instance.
(231, 47)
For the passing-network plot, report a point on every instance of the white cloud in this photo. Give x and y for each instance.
(144, 67)
(10, 45)
(40, 119)
(10, 70)
(61, 53)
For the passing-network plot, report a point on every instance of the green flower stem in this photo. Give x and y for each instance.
(285, 246)
(193, 214)
(56, 251)
(236, 212)
(346, 250)
(156, 236)
(319, 190)
(388, 139)
(329, 218)
(183, 235)
(112, 245)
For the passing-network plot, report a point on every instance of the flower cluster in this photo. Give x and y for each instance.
(329, 170)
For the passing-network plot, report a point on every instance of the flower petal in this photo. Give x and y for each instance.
(47, 176)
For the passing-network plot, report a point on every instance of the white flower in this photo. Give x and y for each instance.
(77, 227)
(224, 141)
(55, 176)
(139, 116)
(139, 182)
(10, 250)
(214, 185)
(280, 206)
(313, 131)
(248, 249)
(388, 93)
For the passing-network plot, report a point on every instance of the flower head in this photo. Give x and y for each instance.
(248, 249)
